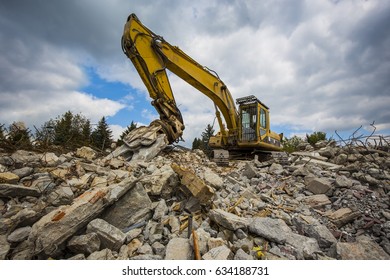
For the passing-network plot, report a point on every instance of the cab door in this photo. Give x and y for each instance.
(263, 122)
(249, 123)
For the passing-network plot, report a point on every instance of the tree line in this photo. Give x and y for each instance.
(67, 132)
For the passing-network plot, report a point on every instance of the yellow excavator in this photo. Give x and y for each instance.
(247, 129)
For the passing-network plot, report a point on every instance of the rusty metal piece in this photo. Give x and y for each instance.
(196, 245)
(189, 225)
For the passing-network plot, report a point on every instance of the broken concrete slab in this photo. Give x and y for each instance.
(132, 234)
(243, 256)
(85, 244)
(105, 254)
(50, 159)
(10, 190)
(219, 253)
(131, 208)
(363, 249)
(343, 182)
(313, 228)
(250, 170)
(22, 251)
(319, 185)
(4, 247)
(23, 172)
(61, 196)
(343, 216)
(150, 152)
(56, 227)
(25, 158)
(158, 249)
(213, 179)
(194, 186)
(110, 236)
(306, 247)
(161, 182)
(19, 234)
(213, 242)
(142, 143)
(8, 178)
(86, 153)
(324, 164)
(228, 220)
(179, 249)
(272, 229)
(276, 169)
(317, 200)
(160, 211)
(311, 155)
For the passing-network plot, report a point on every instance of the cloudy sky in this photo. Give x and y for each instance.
(319, 65)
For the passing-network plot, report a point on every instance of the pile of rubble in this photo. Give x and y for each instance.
(328, 203)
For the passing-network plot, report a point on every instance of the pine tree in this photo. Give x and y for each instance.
(197, 143)
(72, 131)
(86, 132)
(102, 135)
(206, 134)
(63, 130)
(128, 129)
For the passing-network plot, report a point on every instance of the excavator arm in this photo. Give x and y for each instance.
(152, 56)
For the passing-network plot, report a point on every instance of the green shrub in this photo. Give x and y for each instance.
(315, 137)
(291, 145)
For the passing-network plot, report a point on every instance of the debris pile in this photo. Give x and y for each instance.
(327, 203)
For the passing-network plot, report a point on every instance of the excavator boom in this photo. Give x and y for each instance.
(152, 55)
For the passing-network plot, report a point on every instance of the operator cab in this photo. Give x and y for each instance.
(254, 118)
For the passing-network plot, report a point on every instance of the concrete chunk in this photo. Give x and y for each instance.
(9, 178)
(85, 244)
(343, 216)
(56, 227)
(86, 153)
(110, 236)
(179, 249)
(219, 253)
(105, 254)
(228, 220)
(4, 247)
(305, 246)
(131, 208)
(272, 229)
(313, 228)
(319, 185)
(213, 179)
(19, 234)
(363, 249)
(194, 185)
(250, 170)
(10, 190)
(317, 200)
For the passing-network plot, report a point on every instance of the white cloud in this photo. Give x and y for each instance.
(116, 130)
(47, 87)
(318, 65)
